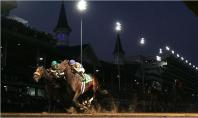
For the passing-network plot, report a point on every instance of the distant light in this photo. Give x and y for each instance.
(186, 61)
(135, 80)
(142, 41)
(160, 50)
(193, 66)
(190, 64)
(41, 58)
(82, 5)
(118, 26)
(158, 58)
(97, 70)
(4, 86)
(18, 44)
(182, 58)
(172, 51)
(167, 48)
(196, 68)
(118, 76)
(163, 63)
(178, 55)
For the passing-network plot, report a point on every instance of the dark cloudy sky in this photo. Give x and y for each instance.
(161, 23)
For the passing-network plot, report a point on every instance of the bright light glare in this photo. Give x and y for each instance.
(182, 58)
(158, 58)
(82, 5)
(41, 58)
(172, 51)
(167, 48)
(118, 26)
(177, 55)
(142, 41)
(186, 61)
(160, 50)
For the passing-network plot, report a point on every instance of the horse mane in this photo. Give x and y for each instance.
(66, 68)
(46, 74)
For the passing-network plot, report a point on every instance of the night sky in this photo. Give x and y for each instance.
(161, 23)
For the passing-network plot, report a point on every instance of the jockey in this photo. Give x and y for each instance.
(77, 67)
(55, 70)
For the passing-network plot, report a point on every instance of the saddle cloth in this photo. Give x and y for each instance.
(87, 78)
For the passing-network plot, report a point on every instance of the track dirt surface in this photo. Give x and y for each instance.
(102, 115)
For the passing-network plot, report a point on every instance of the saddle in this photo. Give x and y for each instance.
(86, 78)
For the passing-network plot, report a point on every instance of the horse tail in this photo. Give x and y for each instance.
(96, 86)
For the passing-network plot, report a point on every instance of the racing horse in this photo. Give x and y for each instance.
(77, 87)
(103, 100)
(56, 89)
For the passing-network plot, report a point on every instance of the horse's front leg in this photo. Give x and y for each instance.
(95, 88)
(51, 105)
(75, 99)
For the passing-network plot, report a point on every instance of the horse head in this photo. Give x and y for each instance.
(38, 73)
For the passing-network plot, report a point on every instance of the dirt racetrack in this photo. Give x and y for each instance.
(102, 115)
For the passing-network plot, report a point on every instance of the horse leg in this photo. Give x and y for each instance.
(50, 105)
(75, 99)
(95, 88)
(91, 99)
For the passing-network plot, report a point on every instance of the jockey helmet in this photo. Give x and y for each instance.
(54, 63)
(72, 62)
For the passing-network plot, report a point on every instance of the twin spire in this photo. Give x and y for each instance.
(118, 51)
(62, 29)
(118, 46)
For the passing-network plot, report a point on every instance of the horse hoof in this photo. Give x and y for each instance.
(44, 113)
(71, 110)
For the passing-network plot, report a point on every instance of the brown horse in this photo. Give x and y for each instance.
(56, 89)
(75, 83)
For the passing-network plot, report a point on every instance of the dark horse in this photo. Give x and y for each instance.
(56, 89)
(75, 84)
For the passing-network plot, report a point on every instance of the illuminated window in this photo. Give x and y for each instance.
(31, 91)
(41, 92)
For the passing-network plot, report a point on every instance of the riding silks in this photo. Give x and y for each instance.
(87, 78)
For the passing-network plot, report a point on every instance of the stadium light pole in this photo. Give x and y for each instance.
(81, 6)
(118, 29)
(142, 43)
